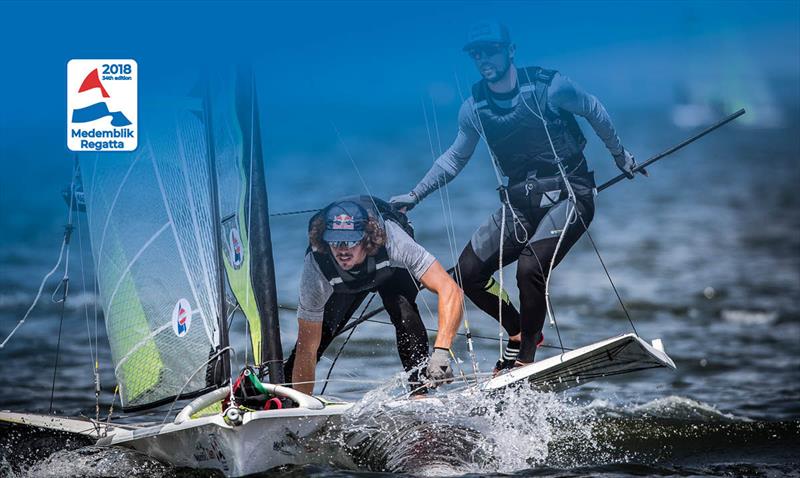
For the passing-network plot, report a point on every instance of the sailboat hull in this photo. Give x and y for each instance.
(615, 356)
(264, 440)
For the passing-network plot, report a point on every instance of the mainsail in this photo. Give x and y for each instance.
(150, 220)
(175, 227)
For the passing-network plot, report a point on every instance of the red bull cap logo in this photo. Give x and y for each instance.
(343, 222)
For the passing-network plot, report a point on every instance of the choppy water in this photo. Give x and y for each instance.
(706, 254)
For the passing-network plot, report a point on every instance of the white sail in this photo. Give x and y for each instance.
(150, 220)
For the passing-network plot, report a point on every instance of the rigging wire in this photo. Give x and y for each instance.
(93, 352)
(451, 238)
(413, 279)
(249, 220)
(292, 213)
(64, 282)
(504, 199)
(573, 199)
(95, 276)
(64, 246)
(368, 317)
(111, 407)
(213, 356)
(475, 336)
(369, 193)
(347, 339)
(605, 269)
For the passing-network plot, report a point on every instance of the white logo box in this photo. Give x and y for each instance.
(102, 105)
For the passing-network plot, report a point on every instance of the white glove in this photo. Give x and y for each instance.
(439, 370)
(627, 163)
(404, 201)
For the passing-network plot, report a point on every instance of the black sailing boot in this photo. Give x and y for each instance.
(508, 358)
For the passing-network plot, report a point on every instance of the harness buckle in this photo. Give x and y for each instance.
(502, 191)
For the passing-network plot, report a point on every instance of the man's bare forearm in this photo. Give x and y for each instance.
(303, 373)
(309, 334)
(451, 303)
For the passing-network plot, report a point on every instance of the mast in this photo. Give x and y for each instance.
(221, 367)
(262, 270)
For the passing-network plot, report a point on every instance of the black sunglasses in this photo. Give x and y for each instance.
(344, 244)
(488, 50)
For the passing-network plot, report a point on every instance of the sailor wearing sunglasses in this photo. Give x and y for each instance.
(359, 245)
(527, 117)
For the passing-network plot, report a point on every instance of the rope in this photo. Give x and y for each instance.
(605, 269)
(377, 210)
(500, 270)
(573, 199)
(339, 352)
(505, 202)
(482, 337)
(449, 223)
(64, 282)
(204, 364)
(570, 197)
(38, 294)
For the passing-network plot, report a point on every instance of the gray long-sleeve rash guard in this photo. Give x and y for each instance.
(563, 93)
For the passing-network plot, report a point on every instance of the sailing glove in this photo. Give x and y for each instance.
(407, 201)
(439, 370)
(627, 163)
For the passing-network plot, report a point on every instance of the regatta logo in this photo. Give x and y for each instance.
(343, 222)
(235, 244)
(102, 100)
(181, 318)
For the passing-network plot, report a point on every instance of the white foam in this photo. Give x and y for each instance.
(468, 432)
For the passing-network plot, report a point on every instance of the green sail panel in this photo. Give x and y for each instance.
(244, 210)
(150, 221)
(143, 353)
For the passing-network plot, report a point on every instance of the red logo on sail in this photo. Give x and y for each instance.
(181, 318)
(236, 253)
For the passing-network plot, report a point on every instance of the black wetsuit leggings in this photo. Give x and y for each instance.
(399, 294)
(541, 226)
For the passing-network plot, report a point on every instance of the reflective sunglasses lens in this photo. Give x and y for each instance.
(485, 50)
(344, 244)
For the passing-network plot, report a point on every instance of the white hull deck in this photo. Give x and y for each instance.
(264, 440)
(615, 356)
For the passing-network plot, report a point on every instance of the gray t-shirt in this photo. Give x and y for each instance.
(563, 94)
(404, 253)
